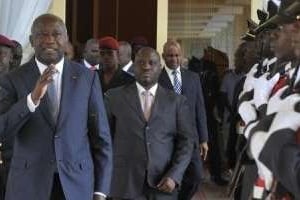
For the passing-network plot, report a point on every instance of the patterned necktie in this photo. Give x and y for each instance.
(177, 83)
(147, 104)
(53, 98)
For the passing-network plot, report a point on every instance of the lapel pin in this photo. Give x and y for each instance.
(74, 77)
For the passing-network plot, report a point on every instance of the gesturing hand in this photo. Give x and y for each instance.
(167, 184)
(41, 85)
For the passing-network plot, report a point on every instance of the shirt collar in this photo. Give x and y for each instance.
(59, 66)
(88, 65)
(126, 67)
(170, 71)
(152, 90)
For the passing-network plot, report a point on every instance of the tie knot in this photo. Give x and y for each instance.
(174, 72)
(146, 93)
(93, 68)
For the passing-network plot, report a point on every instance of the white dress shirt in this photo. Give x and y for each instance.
(127, 66)
(141, 89)
(171, 75)
(88, 65)
(57, 77)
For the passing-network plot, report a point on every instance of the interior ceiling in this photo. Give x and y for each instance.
(202, 18)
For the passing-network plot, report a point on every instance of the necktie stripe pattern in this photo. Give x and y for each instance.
(177, 83)
(53, 99)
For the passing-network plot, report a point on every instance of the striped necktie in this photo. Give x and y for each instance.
(177, 83)
(53, 97)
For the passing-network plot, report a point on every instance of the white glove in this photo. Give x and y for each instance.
(263, 88)
(277, 104)
(250, 79)
(247, 111)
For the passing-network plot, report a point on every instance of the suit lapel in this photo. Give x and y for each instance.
(68, 85)
(158, 104)
(164, 80)
(184, 82)
(30, 81)
(131, 96)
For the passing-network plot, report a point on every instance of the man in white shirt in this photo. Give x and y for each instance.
(152, 134)
(91, 54)
(125, 61)
(55, 113)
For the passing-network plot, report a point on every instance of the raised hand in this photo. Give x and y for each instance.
(41, 85)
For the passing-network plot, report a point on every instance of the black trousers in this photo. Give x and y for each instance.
(57, 191)
(4, 169)
(192, 177)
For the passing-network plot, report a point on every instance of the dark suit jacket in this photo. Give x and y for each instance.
(192, 90)
(281, 154)
(161, 147)
(78, 146)
(120, 78)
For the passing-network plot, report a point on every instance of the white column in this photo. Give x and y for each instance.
(162, 24)
(58, 7)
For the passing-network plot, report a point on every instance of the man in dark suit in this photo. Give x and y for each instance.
(6, 53)
(111, 75)
(6, 56)
(125, 61)
(190, 87)
(152, 134)
(91, 54)
(55, 113)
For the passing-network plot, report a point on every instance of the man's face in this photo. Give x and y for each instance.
(251, 54)
(172, 56)
(48, 39)
(5, 58)
(109, 58)
(281, 42)
(92, 54)
(296, 38)
(147, 67)
(124, 56)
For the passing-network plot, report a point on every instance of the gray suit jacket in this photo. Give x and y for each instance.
(78, 146)
(148, 151)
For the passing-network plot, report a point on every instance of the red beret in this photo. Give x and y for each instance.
(4, 41)
(108, 43)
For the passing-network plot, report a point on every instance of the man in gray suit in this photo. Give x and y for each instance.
(152, 134)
